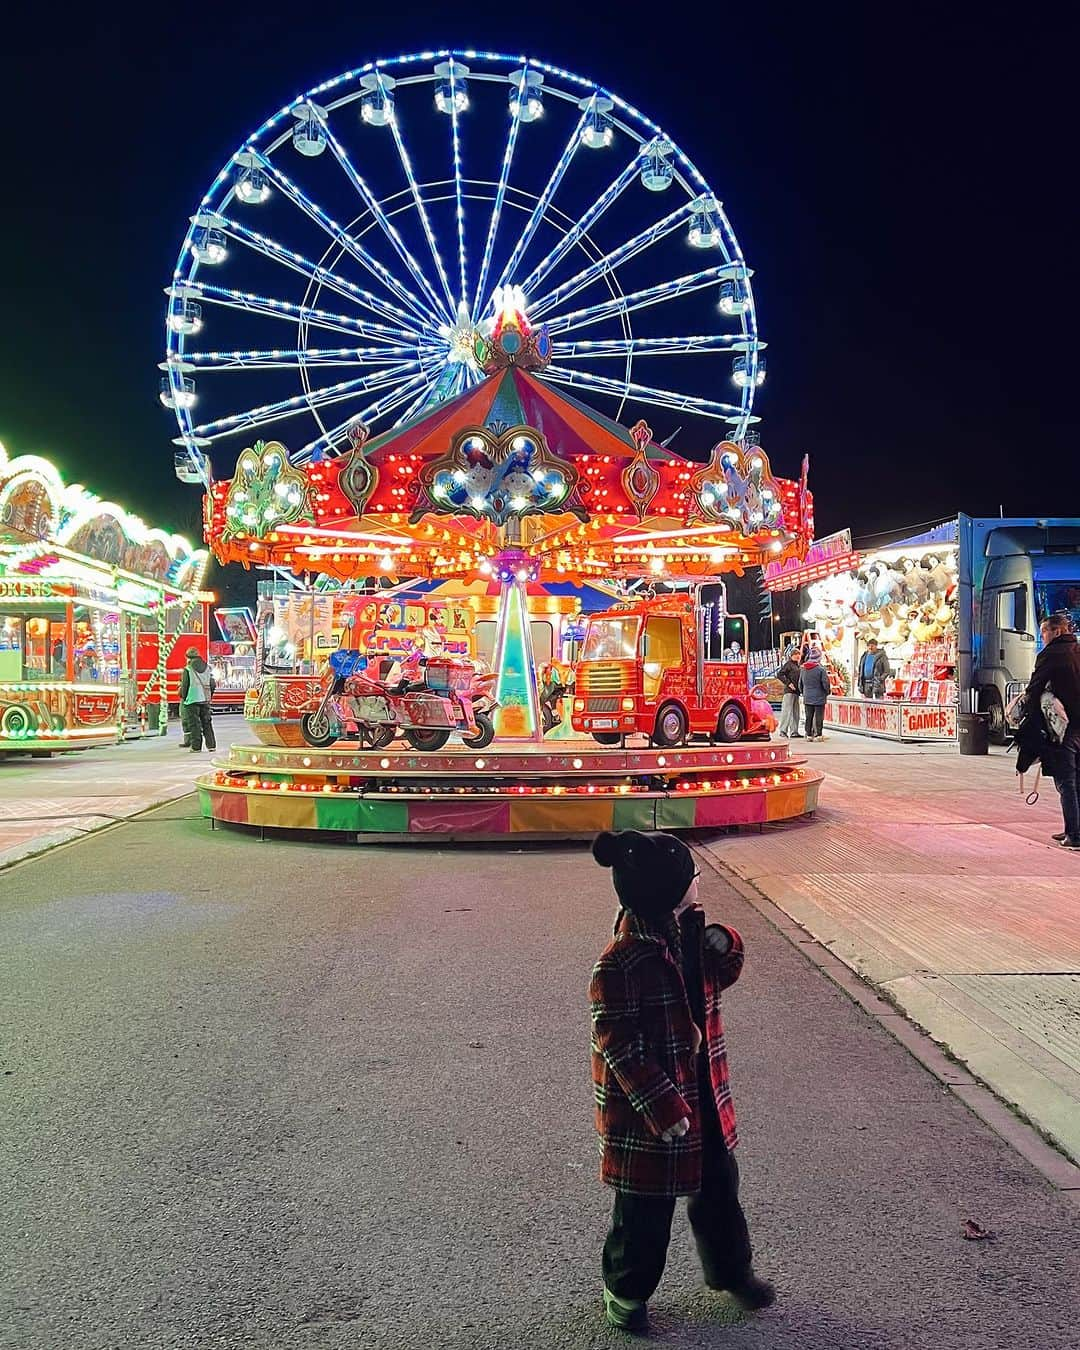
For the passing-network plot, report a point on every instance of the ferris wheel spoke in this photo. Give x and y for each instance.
(285, 359)
(421, 211)
(611, 193)
(385, 224)
(323, 276)
(345, 241)
(285, 309)
(650, 295)
(623, 253)
(623, 389)
(288, 407)
(455, 140)
(641, 346)
(417, 404)
(544, 200)
(387, 403)
(496, 210)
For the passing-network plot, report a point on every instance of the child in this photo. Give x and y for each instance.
(663, 1107)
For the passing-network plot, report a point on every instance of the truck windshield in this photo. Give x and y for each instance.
(611, 639)
(1058, 597)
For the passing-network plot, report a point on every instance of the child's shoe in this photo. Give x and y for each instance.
(628, 1314)
(751, 1292)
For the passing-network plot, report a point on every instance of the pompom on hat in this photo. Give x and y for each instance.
(651, 872)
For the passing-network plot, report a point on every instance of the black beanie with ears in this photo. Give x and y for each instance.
(651, 872)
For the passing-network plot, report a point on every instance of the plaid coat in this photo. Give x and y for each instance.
(644, 1068)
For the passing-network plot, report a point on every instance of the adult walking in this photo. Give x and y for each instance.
(874, 670)
(1057, 668)
(814, 687)
(196, 691)
(788, 675)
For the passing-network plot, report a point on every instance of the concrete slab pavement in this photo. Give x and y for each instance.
(927, 874)
(46, 802)
(287, 1096)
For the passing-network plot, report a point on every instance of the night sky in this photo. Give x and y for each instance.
(897, 176)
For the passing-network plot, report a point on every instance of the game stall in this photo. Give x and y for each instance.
(83, 583)
(904, 597)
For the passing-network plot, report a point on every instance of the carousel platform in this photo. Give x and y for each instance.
(560, 790)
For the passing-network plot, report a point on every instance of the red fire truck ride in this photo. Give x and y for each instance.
(646, 667)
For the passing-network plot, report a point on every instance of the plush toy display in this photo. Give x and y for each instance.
(938, 578)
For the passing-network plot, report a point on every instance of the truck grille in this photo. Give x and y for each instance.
(597, 677)
(602, 705)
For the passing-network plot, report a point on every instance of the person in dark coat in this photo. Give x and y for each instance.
(874, 670)
(1057, 668)
(196, 691)
(815, 690)
(788, 676)
(664, 1111)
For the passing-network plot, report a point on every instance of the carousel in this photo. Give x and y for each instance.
(477, 490)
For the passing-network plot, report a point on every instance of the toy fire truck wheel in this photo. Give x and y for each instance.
(486, 735)
(731, 724)
(606, 737)
(318, 730)
(671, 726)
(428, 738)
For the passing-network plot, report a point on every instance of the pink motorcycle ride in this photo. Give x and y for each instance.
(375, 699)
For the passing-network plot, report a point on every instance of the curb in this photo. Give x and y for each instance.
(1006, 1122)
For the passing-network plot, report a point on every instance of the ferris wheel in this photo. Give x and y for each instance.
(342, 264)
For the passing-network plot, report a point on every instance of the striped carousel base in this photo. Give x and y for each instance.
(506, 791)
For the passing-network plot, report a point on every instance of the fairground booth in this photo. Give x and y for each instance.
(94, 610)
(396, 315)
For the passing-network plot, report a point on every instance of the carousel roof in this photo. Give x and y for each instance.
(509, 478)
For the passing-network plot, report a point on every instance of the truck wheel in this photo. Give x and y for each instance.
(731, 723)
(606, 737)
(427, 738)
(671, 726)
(318, 730)
(485, 732)
(990, 702)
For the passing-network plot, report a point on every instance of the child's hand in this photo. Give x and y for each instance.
(676, 1131)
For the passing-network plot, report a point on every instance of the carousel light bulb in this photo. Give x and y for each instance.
(485, 568)
(518, 503)
(386, 562)
(522, 574)
(459, 475)
(478, 503)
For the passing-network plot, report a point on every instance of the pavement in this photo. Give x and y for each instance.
(49, 801)
(278, 1094)
(927, 874)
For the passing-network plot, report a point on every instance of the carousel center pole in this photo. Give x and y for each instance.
(518, 714)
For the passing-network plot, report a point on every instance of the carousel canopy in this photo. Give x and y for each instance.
(509, 480)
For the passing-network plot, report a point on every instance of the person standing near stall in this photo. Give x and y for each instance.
(874, 670)
(815, 690)
(788, 675)
(1057, 668)
(196, 691)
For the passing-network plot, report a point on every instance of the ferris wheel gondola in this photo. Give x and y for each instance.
(345, 261)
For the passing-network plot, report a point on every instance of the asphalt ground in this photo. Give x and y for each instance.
(280, 1094)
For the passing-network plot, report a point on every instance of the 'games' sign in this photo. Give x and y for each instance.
(894, 721)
